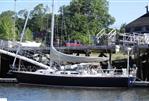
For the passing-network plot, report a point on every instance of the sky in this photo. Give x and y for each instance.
(124, 11)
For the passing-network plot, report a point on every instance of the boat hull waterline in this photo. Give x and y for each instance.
(73, 80)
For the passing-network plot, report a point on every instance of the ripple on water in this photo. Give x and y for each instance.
(35, 93)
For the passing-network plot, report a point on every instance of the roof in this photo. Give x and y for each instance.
(141, 21)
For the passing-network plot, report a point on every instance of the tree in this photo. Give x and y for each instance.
(21, 17)
(7, 26)
(86, 17)
(28, 35)
(11, 25)
(8, 13)
(23, 13)
(37, 18)
(122, 28)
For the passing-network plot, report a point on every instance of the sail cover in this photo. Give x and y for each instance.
(61, 57)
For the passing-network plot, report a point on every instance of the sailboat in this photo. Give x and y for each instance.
(84, 72)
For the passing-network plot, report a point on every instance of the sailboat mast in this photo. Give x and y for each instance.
(52, 31)
(52, 24)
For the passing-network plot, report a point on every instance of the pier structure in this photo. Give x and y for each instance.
(104, 38)
(139, 43)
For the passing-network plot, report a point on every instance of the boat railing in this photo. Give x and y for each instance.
(134, 38)
(112, 72)
(24, 68)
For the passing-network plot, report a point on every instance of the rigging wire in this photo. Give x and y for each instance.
(21, 39)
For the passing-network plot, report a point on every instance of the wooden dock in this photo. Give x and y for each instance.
(8, 80)
(141, 84)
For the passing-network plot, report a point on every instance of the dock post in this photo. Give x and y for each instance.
(19, 68)
(139, 64)
(128, 57)
(110, 61)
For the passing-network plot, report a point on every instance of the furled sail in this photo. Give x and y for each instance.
(61, 57)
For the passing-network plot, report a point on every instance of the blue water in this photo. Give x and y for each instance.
(14, 92)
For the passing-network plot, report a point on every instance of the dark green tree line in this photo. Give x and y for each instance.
(7, 26)
(78, 21)
(84, 18)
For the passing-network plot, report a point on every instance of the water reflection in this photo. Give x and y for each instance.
(36, 93)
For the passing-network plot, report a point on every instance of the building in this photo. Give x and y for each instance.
(140, 25)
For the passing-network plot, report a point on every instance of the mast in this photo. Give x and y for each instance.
(52, 31)
(52, 25)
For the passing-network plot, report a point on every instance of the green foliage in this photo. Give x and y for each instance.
(38, 17)
(39, 20)
(8, 13)
(78, 21)
(7, 28)
(23, 13)
(86, 17)
(122, 28)
(82, 38)
(28, 35)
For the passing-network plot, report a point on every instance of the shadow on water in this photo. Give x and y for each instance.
(16, 92)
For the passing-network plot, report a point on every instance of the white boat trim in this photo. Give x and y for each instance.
(75, 75)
